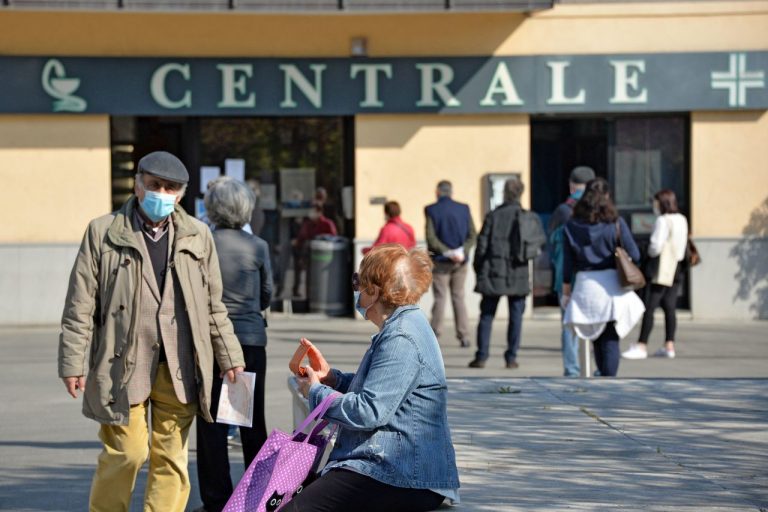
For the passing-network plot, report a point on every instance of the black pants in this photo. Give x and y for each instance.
(607, 353)
(346, 491)
(212, 456)
(666, 297)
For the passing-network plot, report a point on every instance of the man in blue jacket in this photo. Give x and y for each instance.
(578, 180)
(450, 236)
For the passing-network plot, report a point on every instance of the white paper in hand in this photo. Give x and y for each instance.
(236, 400)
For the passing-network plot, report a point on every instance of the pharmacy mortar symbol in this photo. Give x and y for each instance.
(737, 80)
(59, 86)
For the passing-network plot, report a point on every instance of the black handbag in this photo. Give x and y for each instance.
(630, 277)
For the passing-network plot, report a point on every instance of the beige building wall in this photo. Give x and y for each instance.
(56, 171)
(575, 28)
(402, 157)
(729, 173)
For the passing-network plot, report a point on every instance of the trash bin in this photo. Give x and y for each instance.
(329, 271)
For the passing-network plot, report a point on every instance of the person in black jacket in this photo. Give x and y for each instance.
(500, 274)
(247, 292)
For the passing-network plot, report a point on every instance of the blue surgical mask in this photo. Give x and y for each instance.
(360, 309)
(158, 206)
(577, 194)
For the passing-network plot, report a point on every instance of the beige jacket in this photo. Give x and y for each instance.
(101, 311)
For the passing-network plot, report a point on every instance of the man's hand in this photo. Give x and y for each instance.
(232, 373)
(457, 258)
(73, 384)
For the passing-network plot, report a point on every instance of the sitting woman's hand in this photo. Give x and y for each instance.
(319, 365)
(305, 383)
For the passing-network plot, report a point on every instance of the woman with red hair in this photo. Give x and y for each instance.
(394, 449)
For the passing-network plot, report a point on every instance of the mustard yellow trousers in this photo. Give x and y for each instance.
(126, 449)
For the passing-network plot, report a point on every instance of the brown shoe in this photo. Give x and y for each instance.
(512, 365)
(477, 363)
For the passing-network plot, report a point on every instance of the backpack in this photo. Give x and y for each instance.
(556, 240)
(527, 238)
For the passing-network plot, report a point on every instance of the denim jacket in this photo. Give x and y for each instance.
(393, 422)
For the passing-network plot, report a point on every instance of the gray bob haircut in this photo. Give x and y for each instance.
(229, 203)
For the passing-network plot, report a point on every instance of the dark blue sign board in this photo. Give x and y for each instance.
(348, 86)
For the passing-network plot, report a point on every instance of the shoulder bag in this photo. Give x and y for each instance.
(283, 466)
(665, 274)
(630, 276)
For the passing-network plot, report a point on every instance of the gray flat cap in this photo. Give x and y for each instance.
(581, 175)
(164, 165)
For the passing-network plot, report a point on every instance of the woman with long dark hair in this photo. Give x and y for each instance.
(598, 308)
(668, 242)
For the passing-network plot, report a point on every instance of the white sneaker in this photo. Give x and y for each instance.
(635, 352)
(663, 352)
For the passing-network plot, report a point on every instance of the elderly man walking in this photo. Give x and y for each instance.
(143, 321)
(450, 236)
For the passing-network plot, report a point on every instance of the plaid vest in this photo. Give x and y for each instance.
(162, 319)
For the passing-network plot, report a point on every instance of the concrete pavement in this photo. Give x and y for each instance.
(669, 434)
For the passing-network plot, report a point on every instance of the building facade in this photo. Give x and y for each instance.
(377, 101)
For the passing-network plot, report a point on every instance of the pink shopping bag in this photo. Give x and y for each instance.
(282, 466)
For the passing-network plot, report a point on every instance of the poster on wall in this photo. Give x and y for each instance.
(200, 213)
(235, 168)
(297, 189)
(494, 189)
(207, 175)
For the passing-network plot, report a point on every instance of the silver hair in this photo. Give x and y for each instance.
(445, 188)
(138, 179)
(229, 202)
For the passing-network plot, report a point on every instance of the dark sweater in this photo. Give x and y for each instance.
(247, 280)
(592, 246)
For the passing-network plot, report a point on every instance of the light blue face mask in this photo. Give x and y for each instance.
(577, 194)
(158, 206)
(360, 309)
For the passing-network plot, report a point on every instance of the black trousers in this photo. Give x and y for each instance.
(666, 297)
(212, 456)
(607, 352)
(340, 490)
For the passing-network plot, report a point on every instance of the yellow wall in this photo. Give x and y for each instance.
(580, 28)
(65, 160)
(729, 171)
(56, 176)
(403, 157)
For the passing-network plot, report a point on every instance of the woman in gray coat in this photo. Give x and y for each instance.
(247, 290)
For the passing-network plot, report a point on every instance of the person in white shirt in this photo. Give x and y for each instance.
(668, 243)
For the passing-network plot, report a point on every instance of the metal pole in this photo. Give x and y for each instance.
(586, 359)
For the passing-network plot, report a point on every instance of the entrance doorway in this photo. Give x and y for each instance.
(638, 155)
(292, 163)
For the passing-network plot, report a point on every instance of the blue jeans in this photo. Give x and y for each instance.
(570, 346)
(487, 311)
